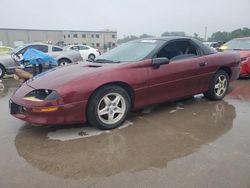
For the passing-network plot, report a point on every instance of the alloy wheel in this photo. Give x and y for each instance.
(63, 63)
(111, 108)
(220, 85)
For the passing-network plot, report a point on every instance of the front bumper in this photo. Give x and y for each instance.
(235, 73)
(244, 69)
(66, 114)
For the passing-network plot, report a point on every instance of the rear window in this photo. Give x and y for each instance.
(56, 49)
(83, 47)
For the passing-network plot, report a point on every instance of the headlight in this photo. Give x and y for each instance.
(243, 60)
(42, 95)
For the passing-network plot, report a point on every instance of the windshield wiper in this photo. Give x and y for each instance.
(106, 61)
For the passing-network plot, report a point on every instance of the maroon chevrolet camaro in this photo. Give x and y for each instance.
(129, 77)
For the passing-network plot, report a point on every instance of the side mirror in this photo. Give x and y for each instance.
(157, 62)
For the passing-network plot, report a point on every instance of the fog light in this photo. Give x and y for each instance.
(47, 109)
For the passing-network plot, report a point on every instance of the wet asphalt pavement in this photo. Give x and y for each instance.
(188, 143)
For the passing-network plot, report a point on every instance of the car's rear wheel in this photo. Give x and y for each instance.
(218, 86)
(63, 62)
(91, 57)
(2, 71)
(108, 107)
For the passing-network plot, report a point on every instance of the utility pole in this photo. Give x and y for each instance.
(205, 34)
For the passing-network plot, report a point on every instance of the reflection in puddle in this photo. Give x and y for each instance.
(241, 91)
(153, 140)
(82, 132)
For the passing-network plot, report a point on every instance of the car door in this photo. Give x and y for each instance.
(85, 51)
(181, 76)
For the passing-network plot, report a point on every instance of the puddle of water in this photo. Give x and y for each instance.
(82, 132)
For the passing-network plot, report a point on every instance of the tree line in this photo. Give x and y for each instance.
(221, 36)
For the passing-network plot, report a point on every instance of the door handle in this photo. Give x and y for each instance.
(203, 64)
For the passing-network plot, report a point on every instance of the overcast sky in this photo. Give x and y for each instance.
(127, 16)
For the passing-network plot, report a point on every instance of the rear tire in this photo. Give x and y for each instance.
(218, 86)
(63, 62)
(108, 107)
(2, 71)
(91, 57)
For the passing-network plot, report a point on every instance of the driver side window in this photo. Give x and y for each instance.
(176, 50)
(75, 48)
(42, 48)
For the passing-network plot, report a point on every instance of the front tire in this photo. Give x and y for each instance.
(108, 107)
(218, 86)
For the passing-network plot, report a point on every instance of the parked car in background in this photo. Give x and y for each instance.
(5, 50)
(9, 62)
(214, 45)
(129, 77)
(86, 52)
(241, 45)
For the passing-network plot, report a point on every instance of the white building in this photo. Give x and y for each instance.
(98, 39)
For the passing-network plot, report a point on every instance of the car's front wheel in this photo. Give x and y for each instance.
(218, 86)
(108, 107)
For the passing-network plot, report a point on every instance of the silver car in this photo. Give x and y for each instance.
(9, 62)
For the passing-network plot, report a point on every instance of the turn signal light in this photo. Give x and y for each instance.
(47, 109)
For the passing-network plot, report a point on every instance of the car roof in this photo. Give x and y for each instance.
(41, 43)
(242, 38)
(70, 45)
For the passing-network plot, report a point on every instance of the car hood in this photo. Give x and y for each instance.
(245, 54)
(56, 77)
(5, 58)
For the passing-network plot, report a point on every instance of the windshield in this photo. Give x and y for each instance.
(237, 44)
(131, 51)
(17, 49)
